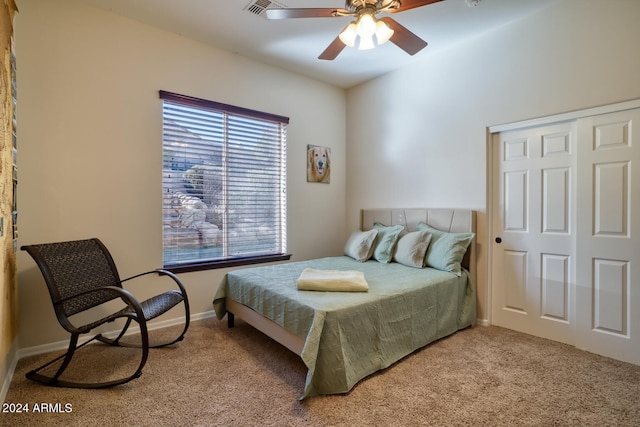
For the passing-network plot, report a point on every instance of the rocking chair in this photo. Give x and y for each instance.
(82, 275)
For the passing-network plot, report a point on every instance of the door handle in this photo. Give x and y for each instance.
(498, 240)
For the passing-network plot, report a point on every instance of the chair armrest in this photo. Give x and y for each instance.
(171, 294)
(125, 295)
(162, 272)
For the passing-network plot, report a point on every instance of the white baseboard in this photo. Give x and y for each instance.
(7, 368)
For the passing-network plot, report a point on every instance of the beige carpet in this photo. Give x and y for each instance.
(483, 376)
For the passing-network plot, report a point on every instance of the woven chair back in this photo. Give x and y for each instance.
(71, 268)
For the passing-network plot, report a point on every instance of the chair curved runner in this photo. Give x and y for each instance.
(81, 275)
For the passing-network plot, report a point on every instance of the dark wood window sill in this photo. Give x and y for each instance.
(234, 262)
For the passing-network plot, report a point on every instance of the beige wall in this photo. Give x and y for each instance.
(417, 137)
(90, 134)
(90, 127)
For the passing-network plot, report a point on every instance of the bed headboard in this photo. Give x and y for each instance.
(450, 220)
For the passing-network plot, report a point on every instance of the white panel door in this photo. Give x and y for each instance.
(608, 279)
(533, 231)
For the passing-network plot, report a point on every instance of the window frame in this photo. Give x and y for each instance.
(190, 101)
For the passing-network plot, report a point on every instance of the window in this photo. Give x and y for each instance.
(224, 192)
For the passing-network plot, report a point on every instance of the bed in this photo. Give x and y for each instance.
(342, 337)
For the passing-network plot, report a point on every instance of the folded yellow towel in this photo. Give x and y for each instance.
(332, 280)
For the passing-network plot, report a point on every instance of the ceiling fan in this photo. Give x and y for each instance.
(365, 26)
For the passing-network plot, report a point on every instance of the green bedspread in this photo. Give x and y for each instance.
(350, 335)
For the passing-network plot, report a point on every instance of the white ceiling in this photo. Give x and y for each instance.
(295, 44)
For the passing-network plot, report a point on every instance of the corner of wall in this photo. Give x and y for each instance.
(7, 368)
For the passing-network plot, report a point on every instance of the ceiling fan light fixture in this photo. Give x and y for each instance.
(349, 35)
(366, 25)
(365, 30)
(366, 43)
(383, 32)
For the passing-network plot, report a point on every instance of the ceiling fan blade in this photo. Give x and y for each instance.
(403, 38)
(301, 13)
(411, 4)
(333, 50)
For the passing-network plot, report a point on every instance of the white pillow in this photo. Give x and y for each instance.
(412, 248)
(360, 245)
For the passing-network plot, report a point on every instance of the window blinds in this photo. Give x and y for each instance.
(224, 181)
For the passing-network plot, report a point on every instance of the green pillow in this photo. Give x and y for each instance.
(360, 245)
(412, 248)
(386, 243)
(446, 250)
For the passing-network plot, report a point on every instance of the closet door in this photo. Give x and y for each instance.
(533, 230)
(608, 245)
